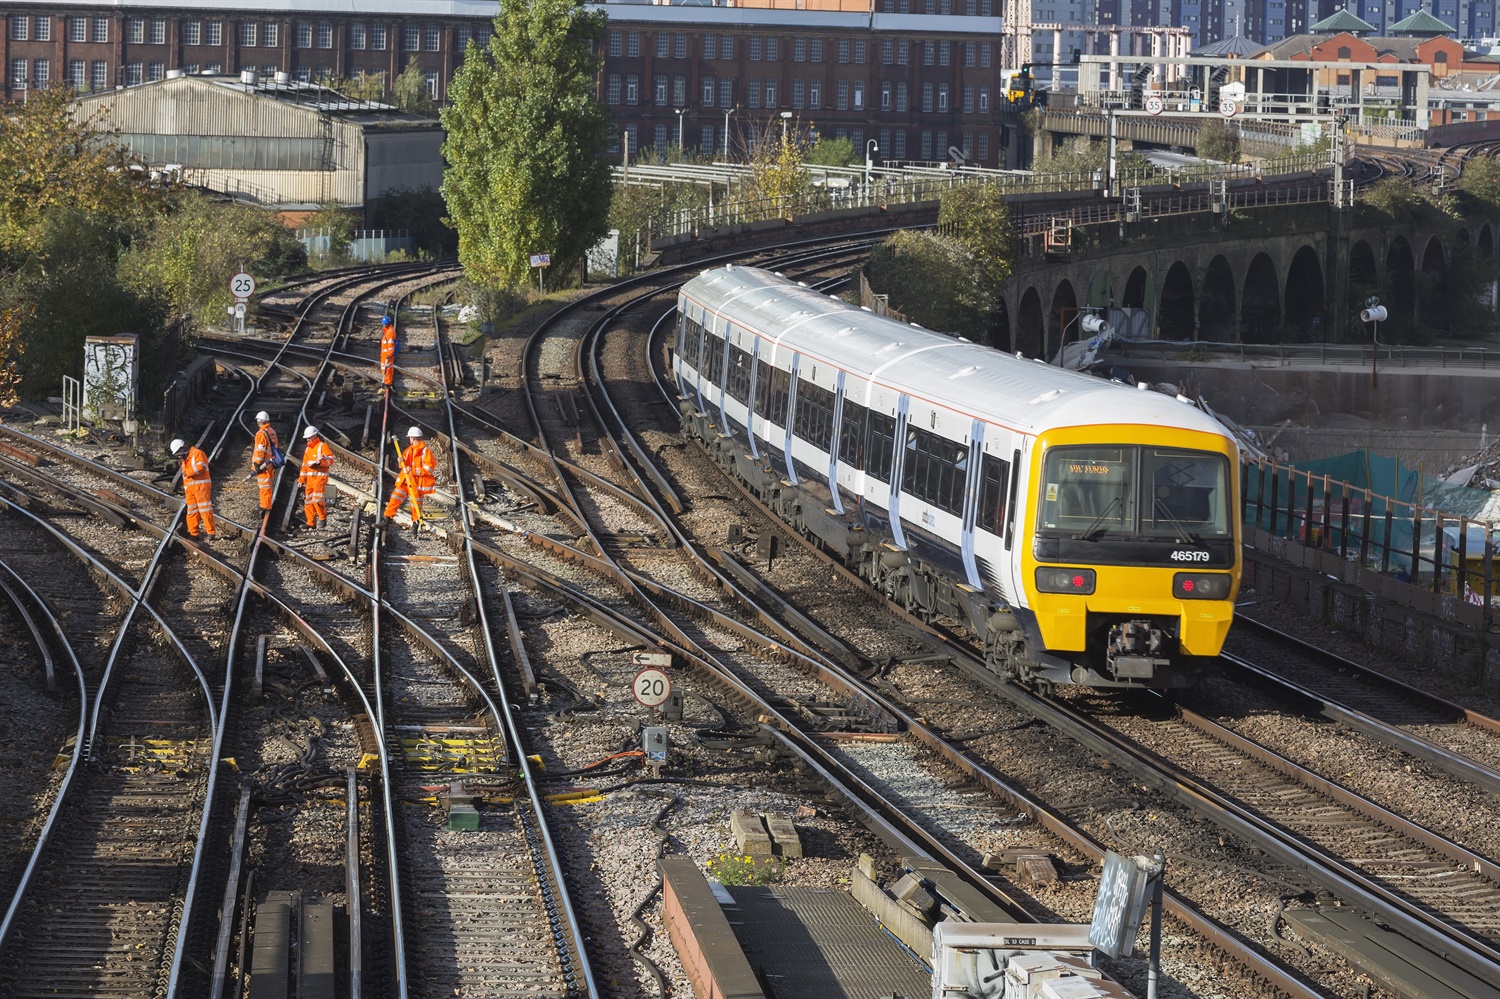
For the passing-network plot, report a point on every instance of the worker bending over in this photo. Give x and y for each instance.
(263, 462)
(387, 350)
(416, 478)
(317, 459)
(198, 488)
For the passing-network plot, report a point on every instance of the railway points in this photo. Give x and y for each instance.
(404, 678)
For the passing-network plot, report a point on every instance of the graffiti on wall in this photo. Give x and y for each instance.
(110, 377)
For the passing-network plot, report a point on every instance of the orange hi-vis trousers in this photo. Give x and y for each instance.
(265, 439)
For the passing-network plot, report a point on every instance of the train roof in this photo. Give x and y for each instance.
(1021, 393)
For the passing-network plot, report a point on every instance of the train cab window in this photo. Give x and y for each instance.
(813, 421)
(880, 445)
(852, 434)
(737, 384)
(993, 473)
(935, 470)
(1088, 492)
(1184, 493)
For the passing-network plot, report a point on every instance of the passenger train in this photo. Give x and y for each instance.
(1085, 531)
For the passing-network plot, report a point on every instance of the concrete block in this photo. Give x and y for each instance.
(784, 836)
(750, 833)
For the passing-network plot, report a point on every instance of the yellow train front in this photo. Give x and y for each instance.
(1134, 556)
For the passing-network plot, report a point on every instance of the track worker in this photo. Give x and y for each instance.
(387, 351)
(262, 462)
(416, 478)
(198, 488)
(317, 459)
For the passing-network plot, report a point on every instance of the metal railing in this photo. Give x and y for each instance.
(1293, 355)
(1433, 551)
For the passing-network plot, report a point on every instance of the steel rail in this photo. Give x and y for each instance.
(219, 968)
(512, 725)
(17, 583)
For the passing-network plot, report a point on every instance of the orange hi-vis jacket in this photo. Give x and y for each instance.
(387, 354)
(197, 486)
(420, 467)
(260, 461)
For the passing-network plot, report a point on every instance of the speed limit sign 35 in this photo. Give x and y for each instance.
(651, 687)
(1155, 104)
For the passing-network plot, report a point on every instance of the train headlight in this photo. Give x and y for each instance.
(1054, 580)
(1200, 586)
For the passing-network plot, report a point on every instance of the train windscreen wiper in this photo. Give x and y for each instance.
(1182, 528)
(1090, 533)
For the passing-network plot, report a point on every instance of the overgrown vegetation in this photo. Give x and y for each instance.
(1218, 139)
(832, 152)
(92, 245)
(409, 91)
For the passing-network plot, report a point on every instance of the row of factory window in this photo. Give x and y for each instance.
(251, 34)
(83, 75)
(848, 95)
(769, 48)
(926, 144)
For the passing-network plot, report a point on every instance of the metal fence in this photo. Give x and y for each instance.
(1393, 541)
(365, 246)
(1292, 354)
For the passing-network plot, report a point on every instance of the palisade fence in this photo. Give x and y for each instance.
(1289, 355)
(910, 185)
(366, 246)
(1431, 560)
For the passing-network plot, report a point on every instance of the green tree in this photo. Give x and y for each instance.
(188, 256)
(12, 349)
(1480, 183)
(934, 280)
(51, 161)
(409, 92)
(832, 152)
(1218, 139)
(777, 173)
(368, 86)
(525, 142)
(977, 216)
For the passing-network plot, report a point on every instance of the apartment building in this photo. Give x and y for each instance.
(921, 79)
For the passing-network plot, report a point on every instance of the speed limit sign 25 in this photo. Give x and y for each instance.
(242, 285)
(651, 687)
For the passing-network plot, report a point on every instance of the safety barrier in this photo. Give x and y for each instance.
(1429, 560)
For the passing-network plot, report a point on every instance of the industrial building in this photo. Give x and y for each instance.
(278, 142)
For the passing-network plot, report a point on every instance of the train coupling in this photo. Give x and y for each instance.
(1135, 650)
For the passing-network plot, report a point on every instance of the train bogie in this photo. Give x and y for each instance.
(1080, 531)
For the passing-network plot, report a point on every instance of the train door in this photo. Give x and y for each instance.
(750, 414)
(790, 420)
(833, 443)
(898, 461)
(971, 499)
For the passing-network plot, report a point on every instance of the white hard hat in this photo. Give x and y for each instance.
(414, 432)
(263, 417)
(309, 433)
(177, 445)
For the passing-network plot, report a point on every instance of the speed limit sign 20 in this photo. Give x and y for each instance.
(651, 687)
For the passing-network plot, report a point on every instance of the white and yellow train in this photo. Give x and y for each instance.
(1087, 532)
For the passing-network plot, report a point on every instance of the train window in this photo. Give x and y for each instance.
(1184, 492)
(781, 388)
(880, 445)
(689, 341)
(714, 367)
(1089, 491)
(852, 434)
(814, 417)
(762, 386)
(935, 470)
(737, 384)
(993, 473)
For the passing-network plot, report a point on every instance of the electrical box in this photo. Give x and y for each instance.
(654, 743)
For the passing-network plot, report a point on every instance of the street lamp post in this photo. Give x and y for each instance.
(727, 113)
(681, 112)
(1374, 313)
(786, 116)
(1092, 325)
(871, 147)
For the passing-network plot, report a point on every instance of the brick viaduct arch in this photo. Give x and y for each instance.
(1251, 289)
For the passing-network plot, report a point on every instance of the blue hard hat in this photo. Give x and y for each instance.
(386, 319)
